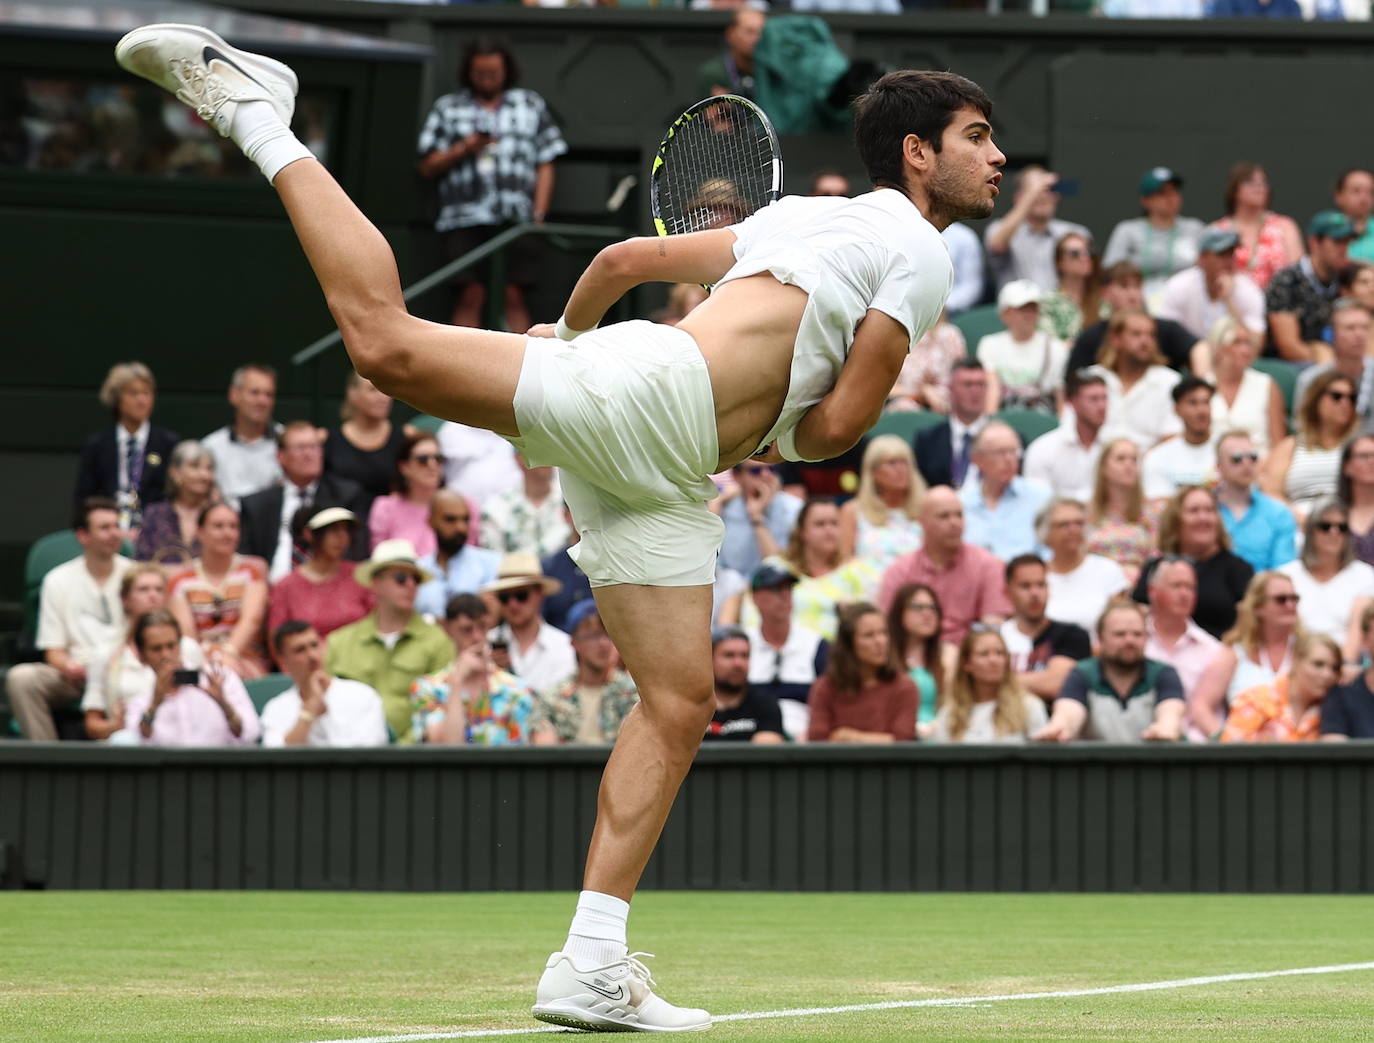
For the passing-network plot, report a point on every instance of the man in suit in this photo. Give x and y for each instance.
(265, 517)
(943, 451)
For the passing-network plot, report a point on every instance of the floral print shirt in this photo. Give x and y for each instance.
(499, 716)
(561, 709)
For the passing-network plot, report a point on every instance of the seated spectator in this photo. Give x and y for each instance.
(1356, 281)
(966, 255)
(1351, 327)
(1262, 529)
(1000, 506)
(1305, 467)
(923, 380)
(493, 706)
(1187, 458)
(1254, 9)
(127, 462)
(321, 590)
(540, 655)
(1065, 459)
(392, 645)
(1171, 635)
(528, 520)
(168, 533)
(220, 598)
(117, 675)
(784, 658)
(1162, 243)
(1118, 695)
(404, 512)
(943, 451)
(826, 579)
(1256, 650)
(590, 706)
(732, 70)
(1245, 399)
(1356, 491)
(479, 462)
(1042, 650)
(1080, 584)
(913, 623)
(1199, 297)
(1289, 708)
(1328, 577)
(213, 710)
(882, 521)
(245, 449)
(318, 710)
(1348, 711)
(576, 587)
(1075, 302)
(1121, 524)
(1353, 196)
(1025, 365)
(1138, 381)
(835, 478)
(1021, 242)
(1120, 290)
(758, 516)
(1191, 526)
(1268, 241)
(266, 516)
(457, 565)
(967, 579)
(865, 695)
(79, 618)
(1298, 298)
(364, 448)
(986, 703)
(742, 714)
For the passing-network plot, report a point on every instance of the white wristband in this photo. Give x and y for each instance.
(563, 331)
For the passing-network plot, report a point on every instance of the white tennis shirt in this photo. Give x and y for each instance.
(873, 251)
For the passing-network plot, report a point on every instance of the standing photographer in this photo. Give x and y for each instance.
(207, 707)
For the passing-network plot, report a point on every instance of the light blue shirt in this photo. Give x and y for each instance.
(1265, 536)
(740, 549)
(468, 570)
(1009, 528)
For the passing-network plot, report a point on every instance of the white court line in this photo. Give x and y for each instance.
(943, 1001)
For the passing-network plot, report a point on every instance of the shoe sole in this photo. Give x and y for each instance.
(569, 1016)
(259, 65)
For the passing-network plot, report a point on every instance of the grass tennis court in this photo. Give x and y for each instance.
(292, 967)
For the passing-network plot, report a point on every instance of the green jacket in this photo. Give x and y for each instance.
(356, 652)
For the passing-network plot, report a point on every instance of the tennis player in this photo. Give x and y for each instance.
(816, 304)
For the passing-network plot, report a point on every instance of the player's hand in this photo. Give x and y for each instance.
(541, 329)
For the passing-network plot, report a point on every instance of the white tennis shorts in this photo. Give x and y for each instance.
(627, 415)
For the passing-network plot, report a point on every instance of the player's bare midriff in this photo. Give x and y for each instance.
(746, 331)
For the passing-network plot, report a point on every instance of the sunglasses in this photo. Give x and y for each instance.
(429, 458)
(1340, 396)
(1286, 599)
(518, 596)
(1326, 526)
(404, 579)
(1237, 458)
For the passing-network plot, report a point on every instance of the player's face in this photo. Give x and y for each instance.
(967, 170)
(1029, 592)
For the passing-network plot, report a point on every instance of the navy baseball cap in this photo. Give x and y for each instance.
(772, 573)
(579, 612)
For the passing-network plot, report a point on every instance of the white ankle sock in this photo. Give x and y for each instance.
(597, 934)
(264, 138)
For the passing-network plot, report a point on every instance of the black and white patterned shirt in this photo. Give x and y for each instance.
(497, 184)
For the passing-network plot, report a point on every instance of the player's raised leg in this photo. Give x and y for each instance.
(593, 982)
(463, 374)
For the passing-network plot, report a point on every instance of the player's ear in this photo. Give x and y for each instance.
(917, 152)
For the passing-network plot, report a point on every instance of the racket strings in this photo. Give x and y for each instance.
(718, 169)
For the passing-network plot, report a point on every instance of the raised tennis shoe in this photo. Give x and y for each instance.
(206, 73)
(616, 998)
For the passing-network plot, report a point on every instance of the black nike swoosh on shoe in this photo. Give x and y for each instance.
(618, 995)
(214, 52)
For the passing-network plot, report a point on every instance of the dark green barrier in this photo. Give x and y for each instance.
(1078, 818)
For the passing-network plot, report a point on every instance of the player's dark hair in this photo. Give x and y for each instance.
(290, 628)
(82, 520)
(909, 101)
(1189, 384)
(485, 45)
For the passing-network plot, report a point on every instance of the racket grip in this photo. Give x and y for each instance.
(563, 331)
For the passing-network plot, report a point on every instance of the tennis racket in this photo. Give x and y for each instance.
(716, 165)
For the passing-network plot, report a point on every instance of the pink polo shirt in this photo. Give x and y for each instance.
(971, 588)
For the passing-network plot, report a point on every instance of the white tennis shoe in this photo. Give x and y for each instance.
(206, 73)
(616, 998)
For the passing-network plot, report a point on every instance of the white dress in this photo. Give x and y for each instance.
(1325, 607)
(1249, 412)
(1313, 475)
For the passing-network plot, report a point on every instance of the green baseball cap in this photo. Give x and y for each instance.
(1330, 224)
(1156, 178)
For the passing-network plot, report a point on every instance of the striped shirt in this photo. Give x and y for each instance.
(496, 184)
